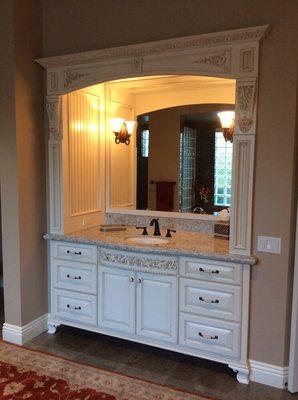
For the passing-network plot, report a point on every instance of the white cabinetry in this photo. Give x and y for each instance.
(116, 300)
(190, 305)
(141, 303)
(73, 284)
(157, 308)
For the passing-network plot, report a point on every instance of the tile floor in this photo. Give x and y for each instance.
(160, 366)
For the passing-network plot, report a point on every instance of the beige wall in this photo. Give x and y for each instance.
(22, 162)
(72, 26)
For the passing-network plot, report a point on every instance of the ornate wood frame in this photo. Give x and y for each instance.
(230, 54)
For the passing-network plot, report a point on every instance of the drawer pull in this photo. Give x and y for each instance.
(213, 271)
(209, 337)
(73, 307)
(73, 277)
(140, 280)
(75, 253)
(209, 301)
(131, 279)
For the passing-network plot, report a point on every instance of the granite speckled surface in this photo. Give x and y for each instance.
(181, 244)
(180, 224)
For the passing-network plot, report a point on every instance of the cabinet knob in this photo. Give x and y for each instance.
(131, 279)
(140, 280)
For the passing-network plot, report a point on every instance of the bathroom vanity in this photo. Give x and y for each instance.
(190, 293)
(187, 294)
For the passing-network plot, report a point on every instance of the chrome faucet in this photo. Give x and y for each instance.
(156, 226)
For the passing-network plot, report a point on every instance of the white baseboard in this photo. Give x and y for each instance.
(22, 334)
(269, 374)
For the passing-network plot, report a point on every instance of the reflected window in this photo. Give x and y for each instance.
(145, 143)
(222, 171)
(187, 169)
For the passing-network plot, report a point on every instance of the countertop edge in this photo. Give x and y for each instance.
(249, 260)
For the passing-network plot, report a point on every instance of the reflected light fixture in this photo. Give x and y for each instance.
(227, 120)
(122, 129)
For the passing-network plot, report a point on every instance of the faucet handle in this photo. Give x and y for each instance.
(169, 232)
(144, 229)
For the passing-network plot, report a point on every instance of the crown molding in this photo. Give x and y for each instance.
(252, 34)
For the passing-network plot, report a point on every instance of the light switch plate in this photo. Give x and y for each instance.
(269, 244)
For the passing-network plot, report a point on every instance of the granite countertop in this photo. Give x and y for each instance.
(182, 243)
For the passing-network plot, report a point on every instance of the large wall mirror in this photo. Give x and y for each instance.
(184, 163)
(178, 159)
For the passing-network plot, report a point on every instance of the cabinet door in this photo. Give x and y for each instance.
(157, 310)
(116, 299)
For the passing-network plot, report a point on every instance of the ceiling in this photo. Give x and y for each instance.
(167, 82)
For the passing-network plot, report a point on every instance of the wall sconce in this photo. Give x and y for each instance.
(227, 120)
(122, 130)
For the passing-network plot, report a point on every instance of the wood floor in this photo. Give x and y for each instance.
(160, 366)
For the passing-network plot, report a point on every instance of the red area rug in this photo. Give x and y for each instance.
(31, 375)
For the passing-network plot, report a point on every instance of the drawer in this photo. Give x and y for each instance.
(209, 335)
(75, 252)
(74, 276)
(76, 307)
(213, 271)
(214, 300)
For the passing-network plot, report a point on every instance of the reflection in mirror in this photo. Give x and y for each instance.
(177, 159)
(184, 163)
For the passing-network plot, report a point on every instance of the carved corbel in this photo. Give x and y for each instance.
(53, 106)
(245, 105)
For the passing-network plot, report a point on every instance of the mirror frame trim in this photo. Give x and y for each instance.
(229, 54)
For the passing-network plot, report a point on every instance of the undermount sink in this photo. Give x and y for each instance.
(149, 240)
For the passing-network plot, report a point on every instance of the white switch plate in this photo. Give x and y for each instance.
(269, 244)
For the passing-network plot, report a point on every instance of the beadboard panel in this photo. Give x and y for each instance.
(82, 161)
(83, 143)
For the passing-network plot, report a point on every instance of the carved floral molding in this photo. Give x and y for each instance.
(139, 262)
(53, 111)
(219, 60)
(72, 76)
(245, 103)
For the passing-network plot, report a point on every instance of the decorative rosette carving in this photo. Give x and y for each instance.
(219, 60)
(72, 76)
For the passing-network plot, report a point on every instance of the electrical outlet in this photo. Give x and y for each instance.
(268, 244)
